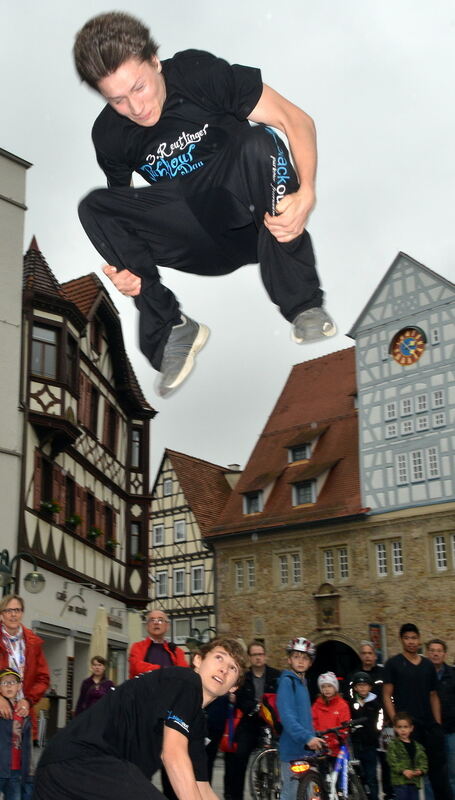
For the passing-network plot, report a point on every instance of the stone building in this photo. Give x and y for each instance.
(187, 498)
(342, 525)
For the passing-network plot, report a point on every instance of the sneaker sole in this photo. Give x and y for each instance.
(325, 334)
(199, 342)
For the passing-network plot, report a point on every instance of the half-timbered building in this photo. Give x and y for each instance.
(85, 478)
(188, 497)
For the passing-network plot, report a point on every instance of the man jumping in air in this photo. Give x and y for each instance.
(222, 194)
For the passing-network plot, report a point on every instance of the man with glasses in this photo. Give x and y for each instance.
(154, 652)
(21, 651)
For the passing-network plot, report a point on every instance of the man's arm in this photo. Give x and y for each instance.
(387, 691)
(206, 791)
(137, 665)
(178, 766)
(435, 704)
(273, 109)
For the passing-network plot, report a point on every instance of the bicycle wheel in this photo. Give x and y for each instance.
(356, 790)
(311, 786)
(265, 780)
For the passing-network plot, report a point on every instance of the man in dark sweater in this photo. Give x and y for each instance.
(155, 652)
(222, 194)
(437, 653)
(410, 684)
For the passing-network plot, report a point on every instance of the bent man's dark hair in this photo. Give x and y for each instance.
(108, 40)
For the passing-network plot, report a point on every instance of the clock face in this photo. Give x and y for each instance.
(408, 345)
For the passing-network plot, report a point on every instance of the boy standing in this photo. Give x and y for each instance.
(294, 706)
(111, 751)
(407, 759)
(15, 740)
(222, 194)
(365, 740)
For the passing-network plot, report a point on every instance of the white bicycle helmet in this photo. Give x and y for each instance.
(302, 645)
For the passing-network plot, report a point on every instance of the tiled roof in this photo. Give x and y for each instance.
(38, 276)
(204, 485)
(318, 396)
(84, 291)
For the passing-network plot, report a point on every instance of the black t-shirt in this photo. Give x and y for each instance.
(412, 684)
(207, 103)
(128, 722)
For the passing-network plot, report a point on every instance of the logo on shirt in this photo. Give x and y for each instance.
(280, 171)
(168, 162)
(178, 721)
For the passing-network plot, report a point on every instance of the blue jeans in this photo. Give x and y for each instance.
(11, 787)
(289, 784)
(450, 750)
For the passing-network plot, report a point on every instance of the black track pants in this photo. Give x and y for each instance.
(208, 232)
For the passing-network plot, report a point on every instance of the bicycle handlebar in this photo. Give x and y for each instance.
(350, 724)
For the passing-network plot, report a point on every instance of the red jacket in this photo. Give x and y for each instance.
(36, 670)
(139, 651)
(329, 714)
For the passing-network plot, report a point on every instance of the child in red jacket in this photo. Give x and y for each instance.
(329, 709)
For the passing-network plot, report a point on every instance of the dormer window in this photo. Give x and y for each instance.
(300, 452)
(303, 492)
(252, 502)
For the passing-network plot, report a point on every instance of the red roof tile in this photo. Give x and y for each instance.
(204, 485)
(318, 396)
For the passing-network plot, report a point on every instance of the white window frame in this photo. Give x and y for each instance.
(239, 576)
(432, 459)
(329, 565)
(250, 573)
(343, 563)
(381, 559)
(311, 484)
(158, 535)
(167, 487)
(422, 423)
(407, 427)
(197, 583)
(390, 410)
(417, 466)
(401, 466)
(406, 407)
(391, 430)
(249, 499)
(296, 572)
(437, 399)
(178, 576)
(305, 447)
(440, 553)
(161, 583)
(439, 419)
(397, 557)
(283, 569)
(421, 403)
(435, 336)
(180, 638)
(179, 531)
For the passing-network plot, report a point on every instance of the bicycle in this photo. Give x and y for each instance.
(317, 781)
(264, 771)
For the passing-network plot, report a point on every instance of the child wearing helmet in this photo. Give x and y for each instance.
(365, 704)
(294, 706)
(329, 709)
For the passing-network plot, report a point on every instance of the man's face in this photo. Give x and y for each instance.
(157, 625)
(298, 661)
(368, 657)
(257, 656)
(136, 90)
(218, 671)
(9, 686)
(12, 617)
(410, 642)
(436, 654)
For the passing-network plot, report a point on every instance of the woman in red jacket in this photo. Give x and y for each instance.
(329, 709)
(21, 650)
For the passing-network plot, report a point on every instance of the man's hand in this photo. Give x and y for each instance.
(315, 743)
(291, 215)
(23, 708)
(125, 281)
(6, 711)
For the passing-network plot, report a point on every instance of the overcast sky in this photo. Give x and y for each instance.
(377, 77)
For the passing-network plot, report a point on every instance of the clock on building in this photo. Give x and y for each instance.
(408, 345)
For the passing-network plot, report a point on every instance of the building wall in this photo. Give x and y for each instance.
(418, 586)
(12, 211)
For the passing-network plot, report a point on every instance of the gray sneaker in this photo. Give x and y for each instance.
(183, 344)
(312, 326)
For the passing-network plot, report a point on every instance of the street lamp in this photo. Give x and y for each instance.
(34, 581)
